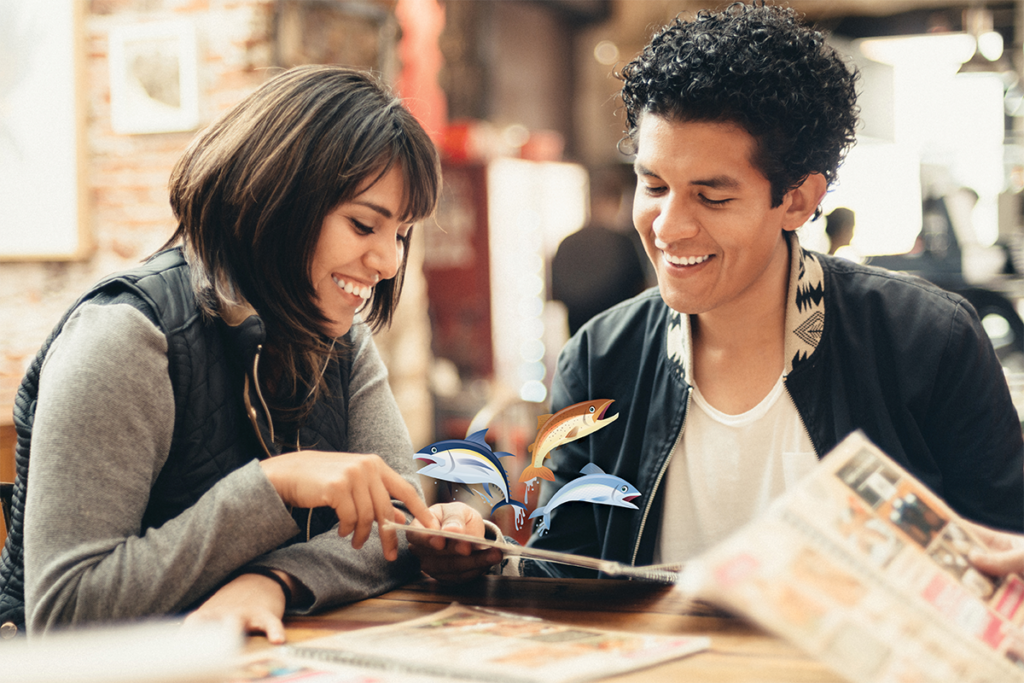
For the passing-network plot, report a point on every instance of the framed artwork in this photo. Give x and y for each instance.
(41, 132)
(154, 85)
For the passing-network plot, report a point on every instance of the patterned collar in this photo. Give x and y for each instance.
(805, 315)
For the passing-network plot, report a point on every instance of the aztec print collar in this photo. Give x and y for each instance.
(805, 315)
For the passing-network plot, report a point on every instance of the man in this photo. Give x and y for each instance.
(839, 229)
(598, 266)
(754, 357)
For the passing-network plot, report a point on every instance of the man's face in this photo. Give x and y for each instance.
(704, 214)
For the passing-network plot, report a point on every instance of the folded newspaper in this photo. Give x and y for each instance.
(866, 569)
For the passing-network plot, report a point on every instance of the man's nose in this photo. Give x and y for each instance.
(675, 221)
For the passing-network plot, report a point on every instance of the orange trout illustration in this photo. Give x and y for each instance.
(568, 424)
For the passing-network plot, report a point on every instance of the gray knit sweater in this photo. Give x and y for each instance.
(102, 432)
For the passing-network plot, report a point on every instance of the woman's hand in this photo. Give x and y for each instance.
(449, 560)
(256, 602)
(359, 487)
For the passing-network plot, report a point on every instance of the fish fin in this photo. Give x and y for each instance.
(591, 468)
(541, 419)
(478, 437)
(503, 454)
(538, 512)
(571, 434)
(502, 503)
(487, 488)
(529, 449)
(532, 472)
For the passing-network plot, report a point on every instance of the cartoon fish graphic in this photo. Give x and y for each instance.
(594, 487)
(568, 424)
(469, 461)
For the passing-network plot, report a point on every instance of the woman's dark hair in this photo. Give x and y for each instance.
(252, 190)
(758, 67)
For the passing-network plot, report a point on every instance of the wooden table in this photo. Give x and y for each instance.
(739, 651)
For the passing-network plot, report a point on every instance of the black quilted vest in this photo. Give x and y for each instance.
(213, 435)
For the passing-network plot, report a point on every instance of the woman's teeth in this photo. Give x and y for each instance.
(686, 260)
(359, 290)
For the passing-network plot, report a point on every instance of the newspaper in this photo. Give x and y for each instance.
(470, 643)
(864, 568)
(661, 573)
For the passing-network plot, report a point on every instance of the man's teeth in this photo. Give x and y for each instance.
(686, 260)
(358, 290)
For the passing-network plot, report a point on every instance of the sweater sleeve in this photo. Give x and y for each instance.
(102, 433)
(327, 565)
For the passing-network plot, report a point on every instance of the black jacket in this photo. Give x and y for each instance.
(868, 349)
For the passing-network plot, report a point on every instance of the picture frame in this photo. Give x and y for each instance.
(154, 84)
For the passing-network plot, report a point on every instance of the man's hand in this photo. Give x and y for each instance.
(358, 486)
(256, 602)
(1006, 556)
(449, 560)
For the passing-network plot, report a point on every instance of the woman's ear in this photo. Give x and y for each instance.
(804, 200)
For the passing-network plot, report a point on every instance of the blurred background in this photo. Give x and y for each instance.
(98, 99)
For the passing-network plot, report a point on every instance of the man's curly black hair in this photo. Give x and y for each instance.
(759, 67)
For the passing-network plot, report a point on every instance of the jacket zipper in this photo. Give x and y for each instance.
(661, 475)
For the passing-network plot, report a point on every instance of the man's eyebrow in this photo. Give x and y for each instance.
(718, 182)
(640, 169)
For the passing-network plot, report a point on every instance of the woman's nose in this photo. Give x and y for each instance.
(386, 256)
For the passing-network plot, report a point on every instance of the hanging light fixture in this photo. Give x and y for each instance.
(989, 55)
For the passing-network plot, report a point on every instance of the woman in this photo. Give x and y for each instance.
(204, 427)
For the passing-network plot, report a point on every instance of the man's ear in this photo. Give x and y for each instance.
(804, 200)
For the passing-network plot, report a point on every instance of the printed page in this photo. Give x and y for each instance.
(866, 569)
(479, 644)
(661, 573)
(284, 668)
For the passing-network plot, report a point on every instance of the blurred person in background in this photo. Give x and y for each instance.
(599, 265)
(839, 229)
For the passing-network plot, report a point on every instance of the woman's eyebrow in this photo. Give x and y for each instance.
(382, 210)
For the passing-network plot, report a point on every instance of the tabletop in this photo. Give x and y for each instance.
(739, 651)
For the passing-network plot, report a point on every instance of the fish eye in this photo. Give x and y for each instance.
(592, 408)
(623, 488)
(433, 449)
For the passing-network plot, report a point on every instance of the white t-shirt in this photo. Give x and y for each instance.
(727, 469)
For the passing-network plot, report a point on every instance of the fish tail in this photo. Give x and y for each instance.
(541, 512)
(532, 472)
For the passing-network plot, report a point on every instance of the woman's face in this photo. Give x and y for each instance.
(362, 242)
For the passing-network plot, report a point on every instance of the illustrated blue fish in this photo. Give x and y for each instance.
(469, 461)
(594, 487)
